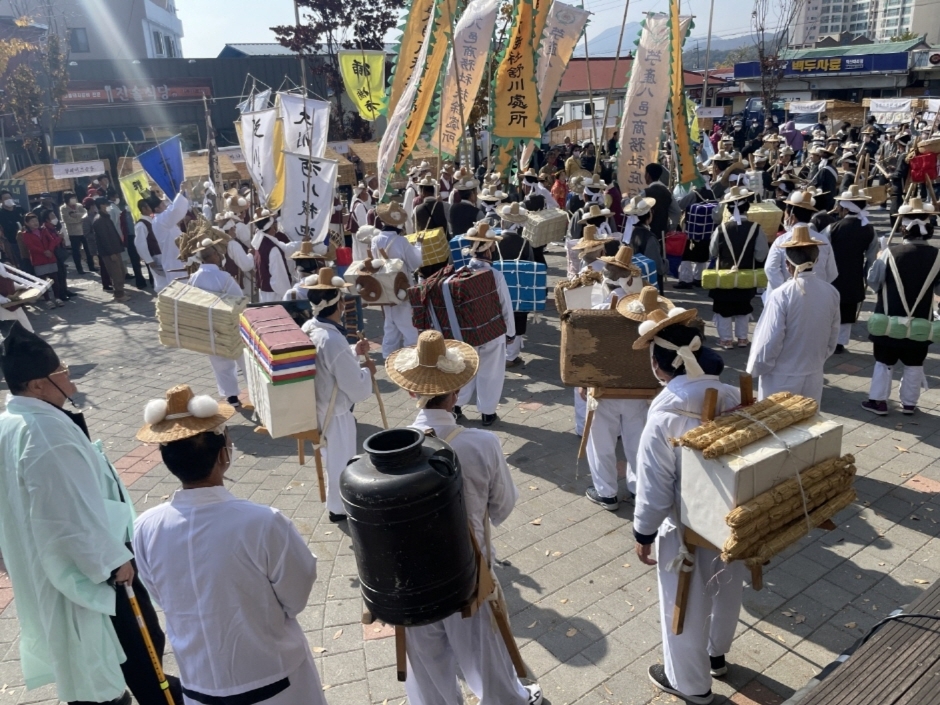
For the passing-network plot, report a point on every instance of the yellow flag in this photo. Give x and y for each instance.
(678, 28)
(504, 159)
(516, 102)
(694, 129)
(419, 17)
(133, 187)
(442, 29)
(276, 197)
(363, 75)
(540, 13)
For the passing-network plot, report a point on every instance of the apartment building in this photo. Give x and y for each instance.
(880, 20)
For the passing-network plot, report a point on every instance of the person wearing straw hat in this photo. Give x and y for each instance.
(638, 212)
(446, 180)
(271, 251)
(66, 522)
(800, 207)
(492, 199)
(515, 247)
(488, 387)
(532, 185)
(592, 215)
(433, 372)
(430, 212)
(212, 278)
(238, 262)
(686, 369)
(167, 216)
(341, 381)
(854, 249)
(588, 250)
(900, 273)
(399, 330)
(698, 207)
(234, 644)
(826, 178)
(465, 212)
(799, 327)
(736, 244)
(359, 211)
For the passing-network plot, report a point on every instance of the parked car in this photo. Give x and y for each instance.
(754, 111)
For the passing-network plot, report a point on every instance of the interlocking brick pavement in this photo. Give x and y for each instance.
(583, 608)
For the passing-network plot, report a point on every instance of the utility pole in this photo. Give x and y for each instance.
(708, 53)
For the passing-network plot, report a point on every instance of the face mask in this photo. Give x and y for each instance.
(655, 369)
(72, 201)
(9, 203)
(54, 221)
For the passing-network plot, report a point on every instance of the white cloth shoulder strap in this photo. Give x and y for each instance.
(737, 259)
(329, 416)
(931, 277)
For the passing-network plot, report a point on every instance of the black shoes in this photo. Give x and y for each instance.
(489, 419)
(839, 349)
(657, 674)
(718, 666)
(458, 412)
(234, 401)
(337, 518)
(609, 503)
(683, 285)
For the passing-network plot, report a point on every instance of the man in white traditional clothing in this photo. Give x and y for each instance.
(686, 369)
(341, 380)
(66, 522)
(488, 385)
(165, 223)
(272, 249)
(434, 372)
(799, 327)
(399, 329)
(800, 208)
(155, 215)
(238, 262)
(232, 619)
(359, 212)
(531, 184)
(212, 278)
(613, 418)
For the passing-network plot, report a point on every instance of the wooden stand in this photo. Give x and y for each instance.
(314, 437)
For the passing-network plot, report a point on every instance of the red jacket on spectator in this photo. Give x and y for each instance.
(38, 242)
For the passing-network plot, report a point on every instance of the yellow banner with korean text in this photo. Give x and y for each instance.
(135, 187)
(418, 18)
(515, 100)
(363, 75)
(678, 29)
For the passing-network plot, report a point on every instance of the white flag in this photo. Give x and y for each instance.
(258, 132)
(306, 124)
(308, 196)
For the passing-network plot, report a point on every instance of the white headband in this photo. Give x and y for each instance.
(631, 221)
(736, 214)
(862, 213)
(326, 303)
(797, 270)
(685, 355)
(921, 223)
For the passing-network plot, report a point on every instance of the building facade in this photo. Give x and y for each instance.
(879, 20)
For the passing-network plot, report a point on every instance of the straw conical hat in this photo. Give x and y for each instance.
(637, 307)
(916, 206)
(802, 199)
(855, 193)
(657, 320)
(737, 193)
(514, 213)
(181, 415)
(589, 239)
(638, 205)
(306, 251)
(595, 211)
(624, 260)
(801, 238)
(391, 214)
(481, 232)
(434, 366)
(326, 280)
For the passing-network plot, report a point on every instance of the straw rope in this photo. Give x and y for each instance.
(703, 436)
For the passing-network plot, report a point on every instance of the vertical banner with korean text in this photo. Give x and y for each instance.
(441, 31)
(465, 70)
(308, 196)
(363, 75)
(306, 124)
(645, 104)
(563, 29)
(135, 187)
(515, 107)
(679, 28)
(405, 55)
(262, 145)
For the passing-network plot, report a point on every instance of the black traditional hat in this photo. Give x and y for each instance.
(24, 356)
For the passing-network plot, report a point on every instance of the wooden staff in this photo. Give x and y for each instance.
(148, 642)
(378, 394)
(897, 218)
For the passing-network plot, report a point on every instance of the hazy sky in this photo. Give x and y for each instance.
(207, 29)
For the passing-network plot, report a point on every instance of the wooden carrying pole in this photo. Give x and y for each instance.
(148, 642)
(375, 389)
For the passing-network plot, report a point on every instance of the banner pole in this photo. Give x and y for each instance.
(613, 78)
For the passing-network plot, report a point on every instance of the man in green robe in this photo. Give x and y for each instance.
(66, 523)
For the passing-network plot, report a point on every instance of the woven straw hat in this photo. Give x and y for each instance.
(326, 280)
(492, 195)
(481, 232)
(721, 156)
(624, 260)
(637, 307)
(434, 366)
(737, 193)
(917, 207)
(391, 214)
(206, 244)
(181, 415)
(306, 251)
(428, 181)
(801, 238)
(514, 213)
(530, 173)
(855, 193)
(464, 181)
(823, 152)
(802, 199)
(760, 156)
(595, 183)
(589, 239)
(595, 211)
(262, 214)
(639, 205)
(658, 320)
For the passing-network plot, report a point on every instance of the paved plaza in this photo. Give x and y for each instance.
(584, 609)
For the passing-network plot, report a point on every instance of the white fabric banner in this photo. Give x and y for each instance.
(807, 106)
(391, 140)
(308, 196)
(235, 154)
(703, 112)
(306, 123)
(72, 170)
(258, 147)
(933, 105)
(890, 105)
(562, 30)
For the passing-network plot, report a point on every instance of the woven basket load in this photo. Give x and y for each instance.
(193, 319)
(929, 146)
(279, 346)
(776, 519)
(543, 227)
(766, 214)
(597, 351)
(434, 246)
(731, 432)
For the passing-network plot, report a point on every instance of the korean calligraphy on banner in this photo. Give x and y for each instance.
(515, 99)
(678, 30)
(134, 187)
(562, 31)
(645, 104)
(465, 69)
(306, 124)
(440, 40)
(363, 75)
(308, 197)
(413, 34)
(261, 139)
(71, 170)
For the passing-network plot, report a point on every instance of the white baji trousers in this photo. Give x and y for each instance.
(514, 349)
(615, 417)
(305, 687)
(810, 385)
(724, 324)
(845, 333)
(438, 652)
(711, 614)
(691, 271)
(399, 330)
(491, 374)
(340, 448)
(913, 381)
(226, 374)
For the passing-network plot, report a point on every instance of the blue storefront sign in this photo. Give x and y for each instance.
(834, 65)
